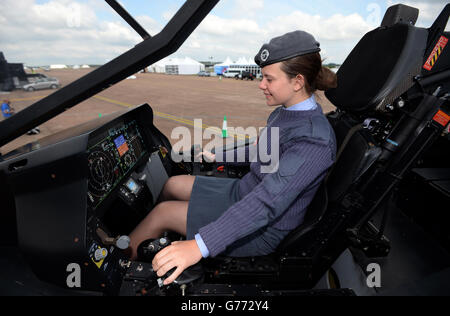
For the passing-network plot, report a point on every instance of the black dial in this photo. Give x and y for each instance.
(113, 154)
(128, 160)
(103, 173)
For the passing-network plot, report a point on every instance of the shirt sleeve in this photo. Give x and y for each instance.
(201, 245)
(299, 166)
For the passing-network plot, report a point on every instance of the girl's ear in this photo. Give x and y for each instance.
(299, 83)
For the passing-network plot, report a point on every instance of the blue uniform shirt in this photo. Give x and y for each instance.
(5, 108)
(307, 105)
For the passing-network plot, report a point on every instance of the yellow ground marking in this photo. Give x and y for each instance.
(159, 114)
(172, 117)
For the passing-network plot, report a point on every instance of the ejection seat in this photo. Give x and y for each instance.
(378, 70)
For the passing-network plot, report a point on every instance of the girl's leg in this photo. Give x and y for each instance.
(177, 188)
(170, 215)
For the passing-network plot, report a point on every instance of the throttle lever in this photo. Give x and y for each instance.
(121, 242)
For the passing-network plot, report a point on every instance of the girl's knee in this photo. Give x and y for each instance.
(157, 213)
(162, 213)
(171, 215)
(171, 183)
(178, 188)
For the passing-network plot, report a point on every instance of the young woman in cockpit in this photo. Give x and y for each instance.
(252, 215)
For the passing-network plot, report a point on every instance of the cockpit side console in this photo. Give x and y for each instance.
(96, 181)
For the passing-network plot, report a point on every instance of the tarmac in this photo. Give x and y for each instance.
(176, 101)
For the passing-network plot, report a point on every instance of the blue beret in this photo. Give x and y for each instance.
(285, 47)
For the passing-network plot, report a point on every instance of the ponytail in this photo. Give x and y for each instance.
(310, 66)
(326, 79)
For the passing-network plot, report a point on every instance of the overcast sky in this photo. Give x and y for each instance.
(43, 32)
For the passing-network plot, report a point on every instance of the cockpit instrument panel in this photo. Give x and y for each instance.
(111, 155)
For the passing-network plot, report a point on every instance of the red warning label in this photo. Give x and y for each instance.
(437, 51)
(441, 118)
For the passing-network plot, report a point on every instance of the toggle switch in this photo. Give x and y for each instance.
(100, 254)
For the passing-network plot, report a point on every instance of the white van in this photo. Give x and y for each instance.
(233, 72)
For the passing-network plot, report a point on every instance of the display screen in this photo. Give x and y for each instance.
(113, 153)
(121, 145)
(132, 186)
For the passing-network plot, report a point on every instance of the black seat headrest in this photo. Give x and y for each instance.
(400, 13)
(380, 68)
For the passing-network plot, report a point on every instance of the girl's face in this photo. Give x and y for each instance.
(278, 88)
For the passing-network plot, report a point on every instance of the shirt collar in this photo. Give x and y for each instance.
(307, 105)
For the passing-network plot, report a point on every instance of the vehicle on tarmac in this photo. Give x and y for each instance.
(245, 75)
(204, 74)
(233, 72)
(378, 224)
(42, 83)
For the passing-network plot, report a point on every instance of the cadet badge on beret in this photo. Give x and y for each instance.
(264, 55)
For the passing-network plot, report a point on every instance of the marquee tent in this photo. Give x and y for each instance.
(183, 66)
(242, 63)
(177, 66)
(220, 68)
(58, 67)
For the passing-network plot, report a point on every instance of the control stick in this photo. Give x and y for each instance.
(150, 247)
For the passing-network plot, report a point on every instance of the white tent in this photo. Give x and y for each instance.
(76, 67)
(220, 68)
(245, 62)
(85, 66)
(251, 62)
(159, 67)
(227, 62)
(183, 66)
(242, 61)
(177, 66)
(58, 67)
(192, 66)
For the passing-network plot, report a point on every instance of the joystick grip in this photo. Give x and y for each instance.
(150, 247)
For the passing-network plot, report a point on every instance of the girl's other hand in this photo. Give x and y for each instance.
(209, 157)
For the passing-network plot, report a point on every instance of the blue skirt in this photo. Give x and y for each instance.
(210, 198)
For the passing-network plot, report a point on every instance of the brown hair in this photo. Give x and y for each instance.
(310, 66)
